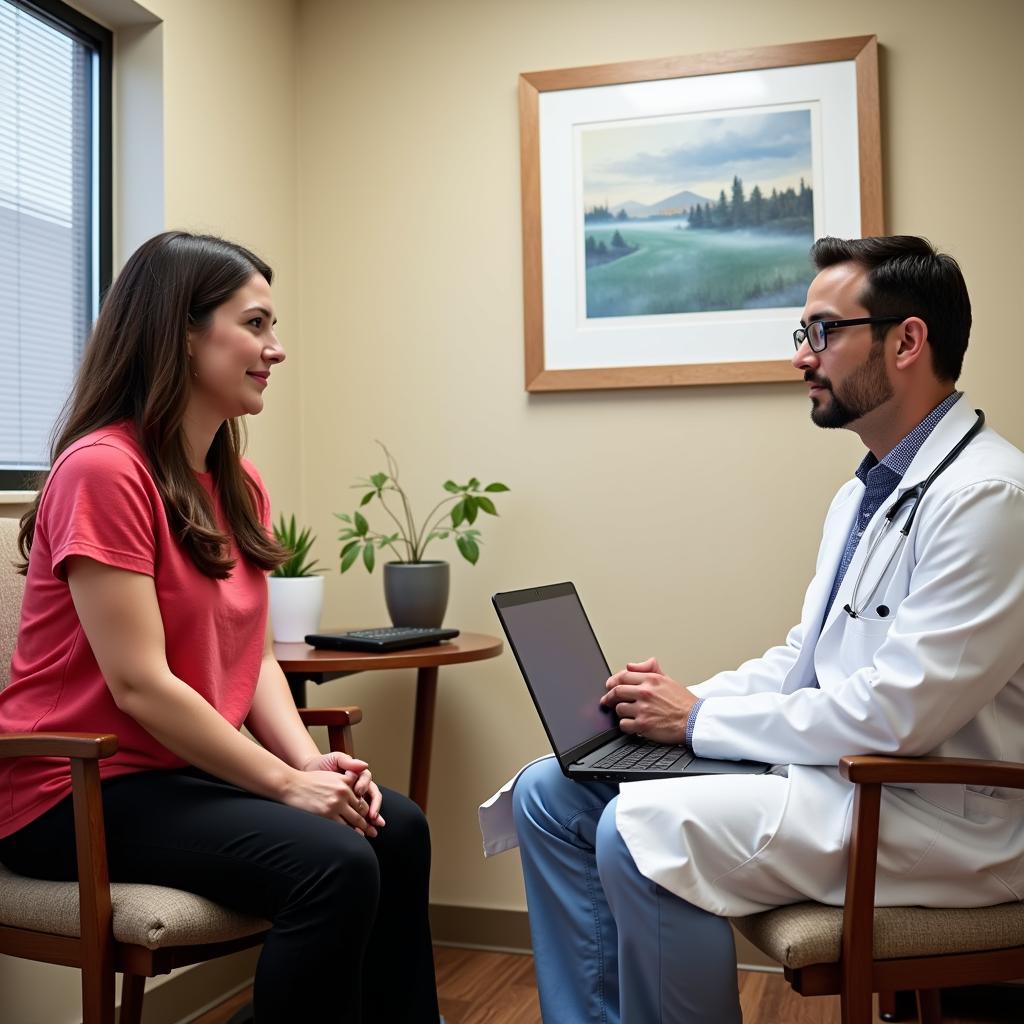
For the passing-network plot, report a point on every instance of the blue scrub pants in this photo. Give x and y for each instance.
(609, 945)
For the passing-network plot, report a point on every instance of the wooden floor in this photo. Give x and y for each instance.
(499, 988)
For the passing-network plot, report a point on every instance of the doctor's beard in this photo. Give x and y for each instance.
(864, 390)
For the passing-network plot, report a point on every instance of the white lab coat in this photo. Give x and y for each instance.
(942, 673)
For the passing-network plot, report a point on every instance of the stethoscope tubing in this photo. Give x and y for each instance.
(911, 496)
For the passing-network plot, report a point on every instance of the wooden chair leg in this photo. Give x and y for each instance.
(133, 988)
(97, 995)
(856, 1006)
(929, 1006)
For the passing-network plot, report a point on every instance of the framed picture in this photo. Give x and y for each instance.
(669, 205)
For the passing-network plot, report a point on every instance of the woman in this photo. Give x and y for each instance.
(145, 615)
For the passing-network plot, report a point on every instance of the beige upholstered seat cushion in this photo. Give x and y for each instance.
(144, 915)
(809, 933)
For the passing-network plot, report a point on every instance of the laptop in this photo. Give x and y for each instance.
(565, 671)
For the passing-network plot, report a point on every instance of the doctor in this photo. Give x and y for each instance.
(909, 643)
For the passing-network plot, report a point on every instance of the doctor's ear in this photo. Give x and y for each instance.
(913, 338)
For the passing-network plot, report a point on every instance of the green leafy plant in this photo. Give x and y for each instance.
(297, 543)
(453, 516)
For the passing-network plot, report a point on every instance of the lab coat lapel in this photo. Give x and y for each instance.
(833, 542)
(833, 545)
(947, 432)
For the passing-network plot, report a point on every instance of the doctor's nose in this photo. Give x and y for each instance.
(805, 357)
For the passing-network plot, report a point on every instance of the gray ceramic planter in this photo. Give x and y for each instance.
(416, 593)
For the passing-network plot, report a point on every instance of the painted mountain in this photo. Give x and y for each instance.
(680, 202)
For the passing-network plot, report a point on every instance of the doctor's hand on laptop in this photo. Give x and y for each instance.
(649, 703)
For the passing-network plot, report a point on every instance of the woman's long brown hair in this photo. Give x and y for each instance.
(136, 368)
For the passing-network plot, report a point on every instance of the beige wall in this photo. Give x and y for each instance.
(688, 518)
(230, 168)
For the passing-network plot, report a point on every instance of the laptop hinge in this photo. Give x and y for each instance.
(581, 750)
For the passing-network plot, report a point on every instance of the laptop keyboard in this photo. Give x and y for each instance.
(642, 755)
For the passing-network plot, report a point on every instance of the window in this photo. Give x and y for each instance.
(55, 230)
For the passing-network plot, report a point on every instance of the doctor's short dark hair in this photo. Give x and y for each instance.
(908, 277)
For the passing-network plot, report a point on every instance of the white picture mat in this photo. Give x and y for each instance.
(573, 342)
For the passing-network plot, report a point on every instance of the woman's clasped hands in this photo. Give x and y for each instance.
(337, 786)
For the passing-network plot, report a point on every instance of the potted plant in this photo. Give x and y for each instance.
(415, 588)
(296, 587)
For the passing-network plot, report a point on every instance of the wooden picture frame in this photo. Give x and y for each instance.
(682, 349)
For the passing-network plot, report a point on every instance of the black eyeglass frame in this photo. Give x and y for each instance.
(802, 334)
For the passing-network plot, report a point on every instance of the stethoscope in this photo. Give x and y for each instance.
(912, 497)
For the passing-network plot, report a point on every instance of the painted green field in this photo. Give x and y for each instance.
(684, 271)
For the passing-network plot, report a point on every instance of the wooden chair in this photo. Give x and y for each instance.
(103, 928)
(857, 949)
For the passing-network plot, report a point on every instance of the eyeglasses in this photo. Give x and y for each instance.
(816, 332)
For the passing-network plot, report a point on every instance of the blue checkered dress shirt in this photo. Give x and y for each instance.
(880, 479)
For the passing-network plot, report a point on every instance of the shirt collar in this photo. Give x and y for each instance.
(899, 459)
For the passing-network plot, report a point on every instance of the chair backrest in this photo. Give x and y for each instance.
(12, 587)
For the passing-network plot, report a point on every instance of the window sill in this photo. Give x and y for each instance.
(17, 497)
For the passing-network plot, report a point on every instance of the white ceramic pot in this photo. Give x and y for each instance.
(295, 606)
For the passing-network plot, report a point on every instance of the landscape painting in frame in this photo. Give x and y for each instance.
(696, 213)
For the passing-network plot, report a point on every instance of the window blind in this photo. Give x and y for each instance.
(49, 223)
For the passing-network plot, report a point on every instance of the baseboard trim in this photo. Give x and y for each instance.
(504, 931)
(508, 931)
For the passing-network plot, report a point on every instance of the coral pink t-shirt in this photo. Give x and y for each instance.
(101, 501)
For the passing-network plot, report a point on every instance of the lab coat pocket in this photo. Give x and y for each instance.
(859, 640)
(870, 624)
(877, 612)
(946, 796)
(909, 827)
(984, 802)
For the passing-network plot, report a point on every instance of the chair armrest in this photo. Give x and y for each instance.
(84, 745)
(339, 722)
(331, 716)
(864, 768)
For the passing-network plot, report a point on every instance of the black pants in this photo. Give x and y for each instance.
(350, 939)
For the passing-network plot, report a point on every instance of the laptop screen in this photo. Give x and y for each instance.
(560, 659)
